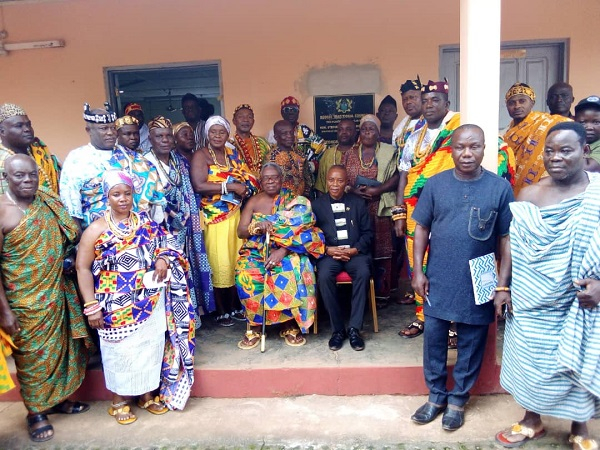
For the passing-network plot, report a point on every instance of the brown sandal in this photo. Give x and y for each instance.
(293, 334)
(250, 341)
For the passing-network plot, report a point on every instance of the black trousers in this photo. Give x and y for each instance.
(359, 269)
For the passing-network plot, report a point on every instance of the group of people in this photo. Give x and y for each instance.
(182, 220)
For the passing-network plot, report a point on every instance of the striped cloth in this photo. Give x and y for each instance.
(551, 345)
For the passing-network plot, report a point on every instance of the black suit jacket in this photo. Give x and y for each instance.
(358, 223)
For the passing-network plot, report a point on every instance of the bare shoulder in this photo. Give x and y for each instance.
(533, 192)
(96, 228)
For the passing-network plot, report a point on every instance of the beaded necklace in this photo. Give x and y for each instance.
(418, 154)
(254, 163)
(360, 158)
(176, 181)
(214, 157)
(125, 227)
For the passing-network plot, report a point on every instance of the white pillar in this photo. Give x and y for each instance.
(480, 70)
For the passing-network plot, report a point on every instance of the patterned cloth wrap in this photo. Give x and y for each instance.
(215, 209)
(118, 269)
(288, 290)
(551, 355)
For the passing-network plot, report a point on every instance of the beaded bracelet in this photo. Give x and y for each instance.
(399, 216)
(398, 209)
(92, 309)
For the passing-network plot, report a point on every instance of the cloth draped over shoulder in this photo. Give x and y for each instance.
(214, 207)
(386, 168)
(527, 142)
(48, 164)
(53, 344)
(552, 346)
(288, 290)
(118, 269)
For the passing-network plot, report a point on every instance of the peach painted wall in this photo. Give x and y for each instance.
(267, 48)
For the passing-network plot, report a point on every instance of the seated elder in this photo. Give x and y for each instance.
(132, 311)
(279, 279)
(344, 219)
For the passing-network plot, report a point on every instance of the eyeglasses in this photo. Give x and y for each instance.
(290, 109)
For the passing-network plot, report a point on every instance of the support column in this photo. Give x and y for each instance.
(480, 70)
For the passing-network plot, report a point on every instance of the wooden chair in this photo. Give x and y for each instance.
(344, 278)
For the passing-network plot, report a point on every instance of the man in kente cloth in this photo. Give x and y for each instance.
(39, 307)
(526, 134)
(18, 137)
(252, 148)
(280, 278)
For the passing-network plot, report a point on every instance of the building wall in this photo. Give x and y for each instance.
(268, 49)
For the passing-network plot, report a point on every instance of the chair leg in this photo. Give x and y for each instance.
(373, 305)
(315, 326)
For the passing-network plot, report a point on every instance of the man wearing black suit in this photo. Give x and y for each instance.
(344, 219)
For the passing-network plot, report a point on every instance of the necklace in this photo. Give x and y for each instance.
(15, 203)
(400, 140)
(173, 181)
(125, 227)
(214, 157)
(418, 154)
(360, 158)
(253, 160)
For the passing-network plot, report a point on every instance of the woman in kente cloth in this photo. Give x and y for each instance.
(373, 175)
(182, 211)
(224, 181)
(133, 278)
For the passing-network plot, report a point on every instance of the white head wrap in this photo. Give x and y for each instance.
(217, 120)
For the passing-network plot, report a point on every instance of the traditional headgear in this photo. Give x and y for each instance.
(178, 126)
(520, 88)
(216, 120)
(243, 106)
(108, 117)
(159, 122)
(388, 99)
(133, 107)
(592, 100)
(290, 101)
(111, 178)
(436, 86)
(411, 85)
(370, 118)
(126, 120)
(9, 110)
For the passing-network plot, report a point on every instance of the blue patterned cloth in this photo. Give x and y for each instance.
(551, 353)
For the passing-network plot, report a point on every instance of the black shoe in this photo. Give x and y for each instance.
(453, 419)
(427, 413)
(356, 342)
(337, 340)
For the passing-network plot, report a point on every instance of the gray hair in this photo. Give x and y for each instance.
(275, 166)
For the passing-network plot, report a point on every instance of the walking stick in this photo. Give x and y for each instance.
(263, 335)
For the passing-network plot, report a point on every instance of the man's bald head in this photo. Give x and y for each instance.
(22, 177)
(19, 160)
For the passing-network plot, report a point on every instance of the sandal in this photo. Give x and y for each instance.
(238, 315)
(250, 341)
(523, 434)
(224, 320)
(122, 409)
(418, 325)
(35, 433)
(68, 407)
(452, 339)
(581, 443)
(160, 406)
(293, 333)
(409, 299)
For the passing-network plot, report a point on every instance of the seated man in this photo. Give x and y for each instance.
(279, 278)
(344, 219)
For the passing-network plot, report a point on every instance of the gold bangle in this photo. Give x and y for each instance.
(502, 289)
(85, 305)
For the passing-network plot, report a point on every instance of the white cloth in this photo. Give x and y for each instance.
(145, 144)
(400, 127)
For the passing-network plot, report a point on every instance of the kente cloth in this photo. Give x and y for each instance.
(52, 347)
(527, 141)
(287, 291)
(183, 222)
(48, 164)
(403, 131)
(293, 166)
(81, 181)
(382, 169)
(551, 357)
(118, 269)
(222, 247)
(310, 145)
(330, 157)
(253, 150)
(6, 349)
(215, 207)
(595, 151)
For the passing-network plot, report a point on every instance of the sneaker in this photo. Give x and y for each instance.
(238, 315)
(224, 320)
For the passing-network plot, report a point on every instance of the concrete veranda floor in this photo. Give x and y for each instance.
(308, 422)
